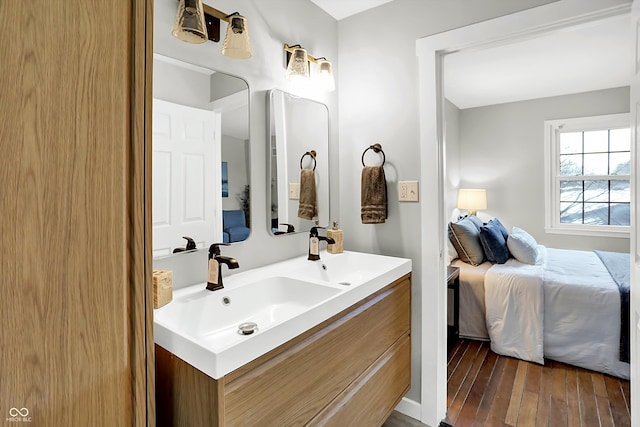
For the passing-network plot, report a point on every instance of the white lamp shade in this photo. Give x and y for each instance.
(236, 43)
(472, 198)
(325, 75)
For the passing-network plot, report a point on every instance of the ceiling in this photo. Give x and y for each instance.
(592, 57)
(341, 9)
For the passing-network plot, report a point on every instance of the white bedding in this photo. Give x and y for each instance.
(565, 308)
(514, 297)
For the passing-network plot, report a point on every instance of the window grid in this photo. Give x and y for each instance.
(585, 178)
(575, 170)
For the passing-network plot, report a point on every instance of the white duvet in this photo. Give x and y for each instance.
(565, 308)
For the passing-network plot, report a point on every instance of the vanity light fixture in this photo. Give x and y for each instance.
(325, 71)
(189, 25)
(472, 199)
(297, 62)
(197, 22)
(298, 67)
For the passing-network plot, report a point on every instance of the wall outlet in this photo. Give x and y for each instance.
(294, 191)
(408, 191)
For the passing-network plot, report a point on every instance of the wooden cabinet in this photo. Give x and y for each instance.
(77, 336)
(352, 369)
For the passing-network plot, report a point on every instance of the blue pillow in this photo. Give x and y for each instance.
(475, 220)
(494, 243)
(503, 230)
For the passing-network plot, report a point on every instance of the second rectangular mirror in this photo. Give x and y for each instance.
(297, 127)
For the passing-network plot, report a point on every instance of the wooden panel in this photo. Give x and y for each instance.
(359, 338)
(74, 296)
(185, 396)
(366, 402)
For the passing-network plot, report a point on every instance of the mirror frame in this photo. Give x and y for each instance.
(270, 171)
(181, 62)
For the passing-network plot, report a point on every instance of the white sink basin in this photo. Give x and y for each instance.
(214, 317)
(284, 300)
(348, 268)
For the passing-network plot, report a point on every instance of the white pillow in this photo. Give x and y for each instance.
(522, 246)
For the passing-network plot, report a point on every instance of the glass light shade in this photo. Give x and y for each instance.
(189, 25)
(298, 67)
(472, 199)
(325, 78)
(236, 42)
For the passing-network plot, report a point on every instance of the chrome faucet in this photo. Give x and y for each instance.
(214, 278)
(314, 243)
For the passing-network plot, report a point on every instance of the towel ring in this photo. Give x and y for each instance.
(311, 153)
(378, 149)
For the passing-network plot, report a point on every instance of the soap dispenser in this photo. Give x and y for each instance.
(336, 234)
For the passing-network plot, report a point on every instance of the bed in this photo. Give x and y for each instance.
(565, 307)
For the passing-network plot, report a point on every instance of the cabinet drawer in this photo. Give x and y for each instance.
(291, 387)
(366, 401)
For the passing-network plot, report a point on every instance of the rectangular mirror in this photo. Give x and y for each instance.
(200, 175)
(297, 126)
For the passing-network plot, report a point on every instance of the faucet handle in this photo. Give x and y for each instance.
(214, 249)
(290, 227)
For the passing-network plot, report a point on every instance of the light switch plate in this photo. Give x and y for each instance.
(294, 191)
(408, 191)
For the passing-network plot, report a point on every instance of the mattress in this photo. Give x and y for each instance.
(574, 310)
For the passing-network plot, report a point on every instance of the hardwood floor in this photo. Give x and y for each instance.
(485, 389)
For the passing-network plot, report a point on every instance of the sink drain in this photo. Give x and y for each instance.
(344, 283)
(247, 328)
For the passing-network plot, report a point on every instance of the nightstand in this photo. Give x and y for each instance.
(453, 305)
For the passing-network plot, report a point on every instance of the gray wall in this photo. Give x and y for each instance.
(502, 150)
(378, 80)
(234, 153)
(181, 86)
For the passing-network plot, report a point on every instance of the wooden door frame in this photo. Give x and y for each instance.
(431, 50)
(142, 345)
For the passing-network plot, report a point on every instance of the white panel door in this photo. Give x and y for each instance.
(184, 185)
(635, 236)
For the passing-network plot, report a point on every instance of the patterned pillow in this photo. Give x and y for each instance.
(465, 237)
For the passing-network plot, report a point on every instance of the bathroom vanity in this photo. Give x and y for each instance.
(344, 359)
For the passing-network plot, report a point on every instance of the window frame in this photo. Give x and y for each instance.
(552, 130)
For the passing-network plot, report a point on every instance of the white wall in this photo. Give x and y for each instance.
(271, 24)
(452, 154)
(502, 150)
(378, 80)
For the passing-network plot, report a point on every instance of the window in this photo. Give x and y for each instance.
(588, 175)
